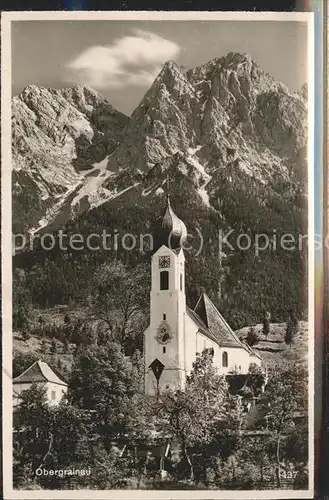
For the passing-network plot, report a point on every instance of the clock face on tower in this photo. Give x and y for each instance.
(163, 333)
(164, 262)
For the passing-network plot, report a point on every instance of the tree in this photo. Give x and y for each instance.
(241, 473)
(77, 444)
(255, 379)
(44, 346)
(266, 324)
(32, 439)
(22, 310)
(26, 333)
(22, 361)
(66, 346)
(294, 320)
(67, 319)
(103, 379)
(120, 298)
(138, 419)
(289, 334)
(285, 404)
(59, 365)
(252, 337)
(60, 437)
(190, 416)
(53, 347)
(41, 321)
(291, 329)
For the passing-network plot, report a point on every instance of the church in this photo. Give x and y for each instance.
(177, 334)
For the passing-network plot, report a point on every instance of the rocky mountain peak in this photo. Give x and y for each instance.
(169, 66)
(56, 135)
(150, 138)
(229, 102)
(30, 89)
(242, 63)
(203, 121)
(83, 97)
(170, 81)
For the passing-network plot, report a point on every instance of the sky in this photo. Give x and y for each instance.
(121, 59)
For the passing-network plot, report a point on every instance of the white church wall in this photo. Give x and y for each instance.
(190, 335)
(238, 359)
(255, 360)
(204, 342)
(195, 343)
(167, 381)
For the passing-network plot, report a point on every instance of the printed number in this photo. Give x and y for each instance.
(290, 474)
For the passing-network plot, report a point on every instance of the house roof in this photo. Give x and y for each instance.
(39, 371)
(213, 325)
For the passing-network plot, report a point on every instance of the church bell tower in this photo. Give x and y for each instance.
(164, 339)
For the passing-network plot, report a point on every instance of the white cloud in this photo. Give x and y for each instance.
(131, 60)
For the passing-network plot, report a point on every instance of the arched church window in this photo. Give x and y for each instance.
(164, 280)
(225, 359)
(181, 281)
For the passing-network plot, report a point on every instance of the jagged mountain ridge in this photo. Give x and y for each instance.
(57, 136)
(230, 103)
(72, 151)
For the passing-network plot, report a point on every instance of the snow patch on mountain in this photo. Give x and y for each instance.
(120, 193)
(200, 169)
(192, 151)
(53, 211)
(93, 189)
(202, 178)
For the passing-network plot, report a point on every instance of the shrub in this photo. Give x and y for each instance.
(252, 336)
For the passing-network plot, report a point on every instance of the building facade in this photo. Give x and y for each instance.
(177, 334)
(40, 373)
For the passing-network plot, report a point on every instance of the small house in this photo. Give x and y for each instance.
(42, 374)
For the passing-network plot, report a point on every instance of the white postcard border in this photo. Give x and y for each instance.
(6, 244)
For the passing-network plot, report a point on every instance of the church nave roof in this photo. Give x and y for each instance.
(213, 325)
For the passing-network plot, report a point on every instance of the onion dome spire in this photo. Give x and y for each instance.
(172, 231)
